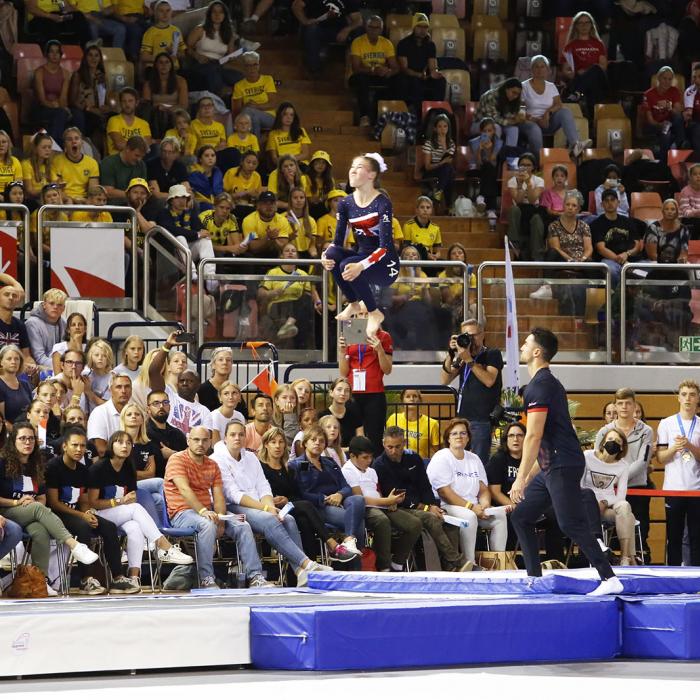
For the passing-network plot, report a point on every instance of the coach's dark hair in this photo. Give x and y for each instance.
(547, 341)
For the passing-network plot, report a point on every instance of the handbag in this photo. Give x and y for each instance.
(29, 582)
(496, 561)
(369, 559)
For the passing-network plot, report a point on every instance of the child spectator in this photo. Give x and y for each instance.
(453, 292)
(244, 184)
(97, 197)
(284, 178)
(284, 411)
(206, 179)
(133, 352)
(325, 225)
(287, 136)
(344, 411)
(242, 138)
(484, 150)
(421, 231)
(304, 392)
(422, 432)
(98, 373)
(183, 133)
(321, 182)
(162, 35)
(302, 224)
(307, 417)
(381, 512)
(612, 180)
(438, 157)
(332, 430)
(552, 199)
(208, 131)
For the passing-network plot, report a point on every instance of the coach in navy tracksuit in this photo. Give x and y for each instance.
(551, 440)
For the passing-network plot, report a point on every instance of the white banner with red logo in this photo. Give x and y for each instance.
(88, 262)
(8, 247)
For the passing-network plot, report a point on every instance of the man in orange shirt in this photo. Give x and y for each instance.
(195, 499)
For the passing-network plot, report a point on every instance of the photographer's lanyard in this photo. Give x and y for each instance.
(467, 371)
(359, 375)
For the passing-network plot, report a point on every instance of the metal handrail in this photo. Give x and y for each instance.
(624, 272)
(27, 243)
(298, 262)
(186, 252)
(86, 207)
(559, 266)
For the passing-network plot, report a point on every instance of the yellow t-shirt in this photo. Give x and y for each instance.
(321, 193)
(304, 236)
(28, 175)
(428, 236)
(103, 217)
(272, 183)
(325, 227)
(413, 291)
(75, 175)
(280, 142)
(249, 143)
(372, 55)
(257, 93)
(188, 145)
(159, 39)
(421, 434)
(254, 227)
(291, 289)
(454, 287)
(129, 7)
(237, 183)
(117, 124)
(86, 6)
(47, 6)
(219, 234)
(208, 134)
(10, 172)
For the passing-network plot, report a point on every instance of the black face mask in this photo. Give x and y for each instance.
(612, 448)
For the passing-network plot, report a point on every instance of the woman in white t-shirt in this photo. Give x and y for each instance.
(230, 396)
(545, 112)
(459, 479)
(606, 475)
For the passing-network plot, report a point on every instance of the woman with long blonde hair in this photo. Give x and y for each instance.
(331, 427)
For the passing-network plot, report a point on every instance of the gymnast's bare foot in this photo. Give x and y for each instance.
(350, 311)
(374, 322)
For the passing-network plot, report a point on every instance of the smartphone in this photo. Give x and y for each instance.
(354, 331)
(185, 337)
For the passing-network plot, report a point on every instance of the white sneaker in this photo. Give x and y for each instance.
(174, 555)
(50, 592)
(248, 45)
(351, 545)
(611, 586)
(315, 566)
(83, 554)
(302, 578)
(91, 586)
(259, 581)
(580, 147)
(544, 292)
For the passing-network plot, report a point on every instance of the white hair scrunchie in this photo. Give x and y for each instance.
(379, 160)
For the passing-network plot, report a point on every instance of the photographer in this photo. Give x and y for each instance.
(479, 370)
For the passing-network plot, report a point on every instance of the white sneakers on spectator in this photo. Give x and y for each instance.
(610, 586)
(259, 581)
(288, 329)
(50, 591)
(174, 555)
(303, 574)
(83, 554)
(91, 586)
(208, 582)
(580, 147)
(350, 544)
(122, 584)
(248, 45)
(544, 292)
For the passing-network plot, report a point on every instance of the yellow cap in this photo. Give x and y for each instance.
(421, 19)
(335, 193)
(136, 182)
(321, 155)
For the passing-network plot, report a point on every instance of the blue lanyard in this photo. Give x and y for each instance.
(692, 426)
(361, 354)
(466, 372)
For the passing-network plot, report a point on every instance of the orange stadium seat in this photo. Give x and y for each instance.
(646, 206)
(469, 112)
(393, 20)
(26, 51)
(483, 22)
(428, 105)
(549, 157)
(580, 121)
(596, 154)
(71, 52)
(676, 161)
(112, 54)
(607, 111)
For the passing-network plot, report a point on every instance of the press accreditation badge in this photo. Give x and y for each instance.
(359, 380)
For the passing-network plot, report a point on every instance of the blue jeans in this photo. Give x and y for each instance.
(258, 119)
(283, 536)
(350, 516)
(314, 38)
(148, 494)
(481, 439)
(206, 540)
(106, 28)
(12, 537)
(615, 271)
(561, 119)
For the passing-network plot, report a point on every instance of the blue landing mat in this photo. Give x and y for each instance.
(661, 628)
(435, 633)
(636, 580)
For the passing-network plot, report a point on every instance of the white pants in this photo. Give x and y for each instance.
(138, 526)
(202, 248)
(621, 514)
(497, 524)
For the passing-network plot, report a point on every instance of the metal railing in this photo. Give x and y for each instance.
(298, 262)
(133, 224)
(115, 342)
(256, 362)
(627, 270)
(27, 244)
(148, 243)
(554, 281)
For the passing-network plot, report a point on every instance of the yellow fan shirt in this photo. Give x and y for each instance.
(272, 183)
(372, 54)
(428, 236)
(292, 289)
(234, 182)
(75, 175)
(117, 124)
(249, 143)
(10, 172)
(208, 134)
(256, 93)
(164, 39)
(103, 217)
(304, 235)
(254, 227)
(188, 145)
(421, 434)
(219, 232)
(281, 143)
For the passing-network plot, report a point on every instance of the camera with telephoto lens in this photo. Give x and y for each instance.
(466, 341)
(505, 414)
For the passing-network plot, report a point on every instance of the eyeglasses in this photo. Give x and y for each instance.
(76, 363)
(158, 404)
(26, 438)
(461, 433)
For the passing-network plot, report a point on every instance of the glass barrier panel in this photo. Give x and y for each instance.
(165, 287)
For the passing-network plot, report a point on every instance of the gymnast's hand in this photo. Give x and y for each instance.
(352, 271)
(327, 263)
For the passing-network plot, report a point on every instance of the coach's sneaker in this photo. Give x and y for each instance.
(174, 555)
(611, 586)
(83, 554)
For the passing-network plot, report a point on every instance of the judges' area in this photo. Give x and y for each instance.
(362, 621)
